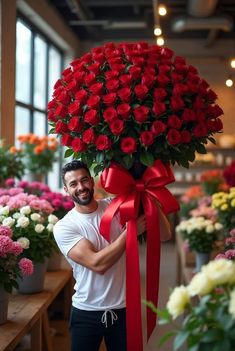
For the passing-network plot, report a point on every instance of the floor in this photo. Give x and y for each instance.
(59, 328)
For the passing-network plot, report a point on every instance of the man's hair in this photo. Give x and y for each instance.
(73, 166)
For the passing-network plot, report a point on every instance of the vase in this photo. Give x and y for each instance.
(202, 258)
(4, 298)
(33, 283)
(54, 262)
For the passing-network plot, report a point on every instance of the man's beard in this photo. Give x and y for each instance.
(83, 201)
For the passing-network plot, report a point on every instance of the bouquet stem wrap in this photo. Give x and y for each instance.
(130, 193)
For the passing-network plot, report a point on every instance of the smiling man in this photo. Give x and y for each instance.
(98, 304)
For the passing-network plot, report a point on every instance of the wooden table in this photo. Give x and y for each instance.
(28, 313)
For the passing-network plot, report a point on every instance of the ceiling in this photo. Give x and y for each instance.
(111, 20)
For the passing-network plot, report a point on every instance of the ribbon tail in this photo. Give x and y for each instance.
(152, 260)
(133, 291)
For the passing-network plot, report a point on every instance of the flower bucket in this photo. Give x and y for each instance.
(202, 258)
(4, 298)
(35, 282)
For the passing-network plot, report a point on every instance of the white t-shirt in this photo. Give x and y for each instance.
(93, 291)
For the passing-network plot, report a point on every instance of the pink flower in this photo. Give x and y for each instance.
(230, 254)
(219, 256)
(10, 182)
(26, 266)
(16, 248)
(232, 232)
(5, 230)
(5, 245)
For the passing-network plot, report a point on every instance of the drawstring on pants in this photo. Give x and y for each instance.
(104, 318)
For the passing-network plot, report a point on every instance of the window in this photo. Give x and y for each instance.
(38, 65)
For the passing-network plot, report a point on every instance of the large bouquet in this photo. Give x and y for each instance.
(31, 221)
(12, 264)
(209, 320)
(133, 102)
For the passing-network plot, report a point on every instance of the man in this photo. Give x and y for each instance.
(98, 305)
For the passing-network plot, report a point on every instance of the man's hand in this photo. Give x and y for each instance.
(141, 224)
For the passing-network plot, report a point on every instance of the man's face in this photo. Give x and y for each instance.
(80, 186)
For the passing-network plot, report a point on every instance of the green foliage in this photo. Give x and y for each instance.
(11, 164)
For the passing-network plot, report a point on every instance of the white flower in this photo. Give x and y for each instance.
(39, 228)
(23, 222)
(220, 271)
(231, 308)
(178, 300)
(50, 227)
(52, 219)
(4, 210)
(9, 221)
(17, 215)
(200, 285)
(2, 218)
(25, 210)
(35, 217)
(210, 228)
(218, 226)
(24, 242)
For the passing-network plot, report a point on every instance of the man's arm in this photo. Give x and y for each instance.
(84, 252)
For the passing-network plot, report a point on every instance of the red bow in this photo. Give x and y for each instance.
(130, 192)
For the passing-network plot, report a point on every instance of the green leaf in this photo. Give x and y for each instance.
(211, 335)
(127, 161)
(165, 337)
(99, 157)
(201, 149)
(223, 345)
(146, 158)
(98, 169)
(212, 140)
(180, 338)
(68, 153)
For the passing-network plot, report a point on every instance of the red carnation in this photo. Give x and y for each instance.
(78, 145)
(147, 138)
(128, 145)
(116, 126)
(103, 142)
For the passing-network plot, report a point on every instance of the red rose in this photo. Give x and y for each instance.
(159, 94)
(173, 137)
(89, 79)
(174, 122)
(124, 94)
(116, 126)
(200, 130)
(103, 142)
(125, 80)
(88, 136)
(68, 78)
(177, 103)
(141, 113)
(138, 61)
(110, 99)
(200, 116)
(64, 97)
(61, 111)
(81, 96)
(99, 58)
(111, 74)
(181, 68)
(159, 108)
(109, 114)
(124, 110)
(61, 127)
(148, 80)
(163, 69)
(52, 104)
(198, 103)
(162, 80)
(188, 115)
(128, 145)
(185, 137)
(93, 101)
(91, 117)
(179, 89)
(94, 68)
(66, 140)
(135, 72)
(192, 87)
(158, 127)
(87, 57)
(176, 77)
(140, 91)
(75, 124)
(218, 111)
(78, 145)
(96, 88)
(72, 86)
(147, 138)
(112, 85)
(219, 124)
(118, 67)
(168, 53)
(58, 83)
(79, 76)
(74, 108)
(52, 116)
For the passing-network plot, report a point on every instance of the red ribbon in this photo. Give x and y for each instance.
(130, 193)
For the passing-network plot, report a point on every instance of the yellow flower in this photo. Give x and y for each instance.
(224, 207)
(231, 308)
(233, 203)
(200, 285)
(178, 300)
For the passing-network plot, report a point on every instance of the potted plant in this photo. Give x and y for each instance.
(201, 234)
(30, 218)
(207, 307)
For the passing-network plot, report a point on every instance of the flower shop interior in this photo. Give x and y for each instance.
(185, 120)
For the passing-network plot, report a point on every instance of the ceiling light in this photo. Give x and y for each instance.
(162, 10)
(232, 63)
(160, 41)
(229, 82)
(157, 30)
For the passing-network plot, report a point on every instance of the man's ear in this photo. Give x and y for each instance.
(65, 188)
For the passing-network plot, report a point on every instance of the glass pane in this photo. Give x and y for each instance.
(23, 58)
(22, 122)
(40, 52)
(39, 125)
(54, 69)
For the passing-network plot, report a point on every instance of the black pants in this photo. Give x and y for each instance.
(87, 330)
